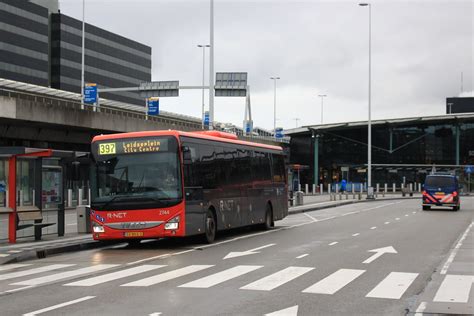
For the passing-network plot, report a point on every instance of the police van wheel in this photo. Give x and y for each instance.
(426, 207)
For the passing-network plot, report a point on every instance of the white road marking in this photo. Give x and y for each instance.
(334, 282)
(220, 277)
(14, 266)
(247, 252)
(15, 251)
(454, 289)
(47, 309)
(18, 274)
(310, 217)
(277, 279)
(386, 223)
(114, 275)
(19, 289)
(455, 250)
(156, 314)
(373, 227)
(421, 308)
(415, 213)
(393, 286)
(406, 215)
(397, 219)
(3, 255)
(379, 252)
(290, 311)
(247, 236)
(356, 234)
(159, 278)
(65, 275)
(302, 256)
(333, 243)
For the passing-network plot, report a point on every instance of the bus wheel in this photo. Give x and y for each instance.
(426, 207)
(268, 224)
(210, 228)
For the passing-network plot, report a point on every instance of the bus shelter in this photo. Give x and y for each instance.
(28, 187)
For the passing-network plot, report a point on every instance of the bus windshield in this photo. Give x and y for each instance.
(128, 176)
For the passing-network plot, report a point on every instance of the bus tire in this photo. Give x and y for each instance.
(456, 208)
(210, 229)
(426, 207)
(268, 223)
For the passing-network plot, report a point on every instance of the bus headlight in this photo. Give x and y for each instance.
(172, 223)
(97, 228)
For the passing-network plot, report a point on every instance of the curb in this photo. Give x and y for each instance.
(41, 253)
(316, 207)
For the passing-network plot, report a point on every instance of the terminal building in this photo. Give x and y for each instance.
(403, 150)
(41, 46)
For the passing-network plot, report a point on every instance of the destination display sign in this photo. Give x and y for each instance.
(132, 146)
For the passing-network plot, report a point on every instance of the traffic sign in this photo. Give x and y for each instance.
(469, 169)
(153, 106)
(206, 118)
(90, 93)
(279, 132)
(231, 84)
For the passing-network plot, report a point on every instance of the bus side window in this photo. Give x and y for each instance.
(191, 168)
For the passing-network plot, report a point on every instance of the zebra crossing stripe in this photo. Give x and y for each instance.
(334, 282)
(18, 274)
(393, 286)
(115, 275)
(220, 277)
(277, 279)
(14, 266)
(168, 275)
(48, 309)
(65, 275)
(454, 289)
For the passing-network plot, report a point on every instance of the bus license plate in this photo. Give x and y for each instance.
(439, 193)
(133, 234)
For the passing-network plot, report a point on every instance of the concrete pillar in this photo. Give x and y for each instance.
(69, 197)
(80, 195)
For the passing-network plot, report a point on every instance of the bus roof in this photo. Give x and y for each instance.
(209, 135)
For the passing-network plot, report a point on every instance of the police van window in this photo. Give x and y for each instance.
(439, 181)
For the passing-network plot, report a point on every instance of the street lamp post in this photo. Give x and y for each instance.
(203, 46)
(322, 96)
(211, 65)
(370, 191)
(274, 103)
(83, 53)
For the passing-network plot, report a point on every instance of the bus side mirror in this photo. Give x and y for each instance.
(186, 155)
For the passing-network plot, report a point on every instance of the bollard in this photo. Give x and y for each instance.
(337, 189)
(306, 189)
(89, 196)
(361, 189)
(299, 198)
(321, 190)
(329, 188)
(314, 189)
(21, 197)
(394, 188)
(419, 187)
(360, 196)
(411, 187)
(353, 188)
(299, 187)
(378, 188)
(385, 188)
(69, 197)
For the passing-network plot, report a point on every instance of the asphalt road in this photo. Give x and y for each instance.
(316, 263)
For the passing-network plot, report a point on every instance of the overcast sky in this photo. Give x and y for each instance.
(419, 49)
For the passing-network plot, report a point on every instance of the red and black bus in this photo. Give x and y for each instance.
(174, 184)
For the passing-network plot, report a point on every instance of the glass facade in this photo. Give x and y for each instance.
(24, 42)
(111, 61)
(399, 150)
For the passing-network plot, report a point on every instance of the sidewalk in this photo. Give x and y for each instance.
(51, 244)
